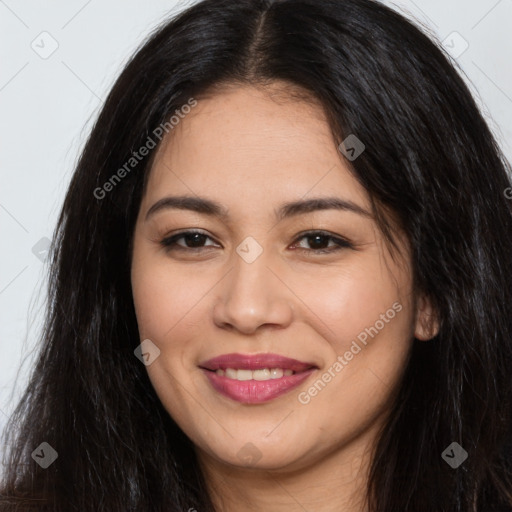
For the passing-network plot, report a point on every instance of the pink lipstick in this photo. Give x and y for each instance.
(257, 378)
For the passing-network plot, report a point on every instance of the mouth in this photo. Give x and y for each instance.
(258, 378)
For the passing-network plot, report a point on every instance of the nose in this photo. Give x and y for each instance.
(253, 295)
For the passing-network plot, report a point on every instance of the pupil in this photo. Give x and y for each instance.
(315, 238)
(196, 238)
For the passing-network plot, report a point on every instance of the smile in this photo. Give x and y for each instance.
(253, 379)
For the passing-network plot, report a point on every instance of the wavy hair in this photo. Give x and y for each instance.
(430, 159)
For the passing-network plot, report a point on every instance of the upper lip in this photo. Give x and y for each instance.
(255, 362)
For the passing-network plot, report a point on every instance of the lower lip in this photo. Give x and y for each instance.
(256, 391)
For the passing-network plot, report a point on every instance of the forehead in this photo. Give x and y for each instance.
(252, 146)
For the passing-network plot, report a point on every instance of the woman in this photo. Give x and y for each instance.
(280, 281)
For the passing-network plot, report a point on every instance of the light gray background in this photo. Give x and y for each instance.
(48, 105)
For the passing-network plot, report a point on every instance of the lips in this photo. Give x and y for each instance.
(254, 390)
(255, 362)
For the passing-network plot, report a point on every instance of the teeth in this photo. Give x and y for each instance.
(243, 374)
(264, 374)
(276, 373)
(261, 374)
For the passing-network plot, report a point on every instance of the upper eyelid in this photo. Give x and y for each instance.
(188, 232)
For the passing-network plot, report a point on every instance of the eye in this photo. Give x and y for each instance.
(194, 241)
(194, 238)
(317, 240)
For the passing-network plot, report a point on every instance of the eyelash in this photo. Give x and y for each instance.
(170, 244)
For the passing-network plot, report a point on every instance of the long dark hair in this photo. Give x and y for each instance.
(430, 159)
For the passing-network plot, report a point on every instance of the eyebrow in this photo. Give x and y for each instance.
(290, 209)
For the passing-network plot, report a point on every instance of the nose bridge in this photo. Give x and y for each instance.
(251, 276)
(252, 295)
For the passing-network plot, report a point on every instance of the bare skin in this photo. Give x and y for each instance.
(251, 154)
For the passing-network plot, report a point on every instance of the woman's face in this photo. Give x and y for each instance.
(253, 284)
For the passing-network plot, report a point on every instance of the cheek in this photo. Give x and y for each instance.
(165, 303)
(164, 298)
(363, 300)
(370, 339)
(369, 317)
